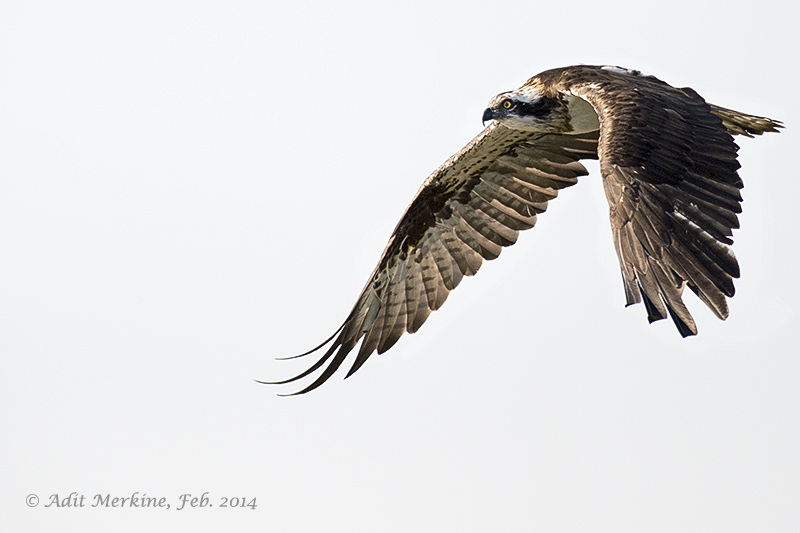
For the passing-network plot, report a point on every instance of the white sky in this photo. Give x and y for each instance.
(190, 189)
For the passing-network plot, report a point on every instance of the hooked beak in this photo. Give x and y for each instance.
(489, 114)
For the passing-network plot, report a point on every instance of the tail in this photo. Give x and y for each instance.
(742, 124)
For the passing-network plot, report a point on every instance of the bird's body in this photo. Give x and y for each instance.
(669, 169)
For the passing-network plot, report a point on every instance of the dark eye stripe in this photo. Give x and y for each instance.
(539, 108)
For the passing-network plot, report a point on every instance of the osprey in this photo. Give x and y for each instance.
(668, 162)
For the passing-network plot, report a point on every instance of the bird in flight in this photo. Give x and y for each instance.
(669, 169)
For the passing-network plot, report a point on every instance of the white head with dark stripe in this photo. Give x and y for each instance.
(528, 109)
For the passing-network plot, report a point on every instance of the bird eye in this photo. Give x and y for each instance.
(506, 104)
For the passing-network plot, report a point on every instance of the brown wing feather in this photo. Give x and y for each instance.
(669, 170)
(466, 211)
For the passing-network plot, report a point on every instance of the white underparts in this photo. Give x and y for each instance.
(583, 117)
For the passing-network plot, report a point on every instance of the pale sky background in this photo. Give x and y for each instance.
(191, 189)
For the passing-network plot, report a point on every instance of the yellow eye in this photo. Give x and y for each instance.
(507, 104)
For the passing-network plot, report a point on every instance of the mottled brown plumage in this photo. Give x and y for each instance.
(669, 170)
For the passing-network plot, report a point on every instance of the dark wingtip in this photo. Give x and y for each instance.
(337, 349)
(310, 369)
(273, 382)
(653, 313)
(281, 383)
(312, 350)
(684, 329)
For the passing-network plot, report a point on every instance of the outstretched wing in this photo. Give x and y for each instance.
(670, 175)
(466, 211)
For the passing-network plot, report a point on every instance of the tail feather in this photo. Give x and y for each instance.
(743, 124)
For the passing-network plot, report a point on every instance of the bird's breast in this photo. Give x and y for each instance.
(583, 117)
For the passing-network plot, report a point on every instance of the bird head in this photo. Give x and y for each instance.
(528, 110)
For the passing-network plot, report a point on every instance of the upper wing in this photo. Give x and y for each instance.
(670, 175)
(466, 211)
